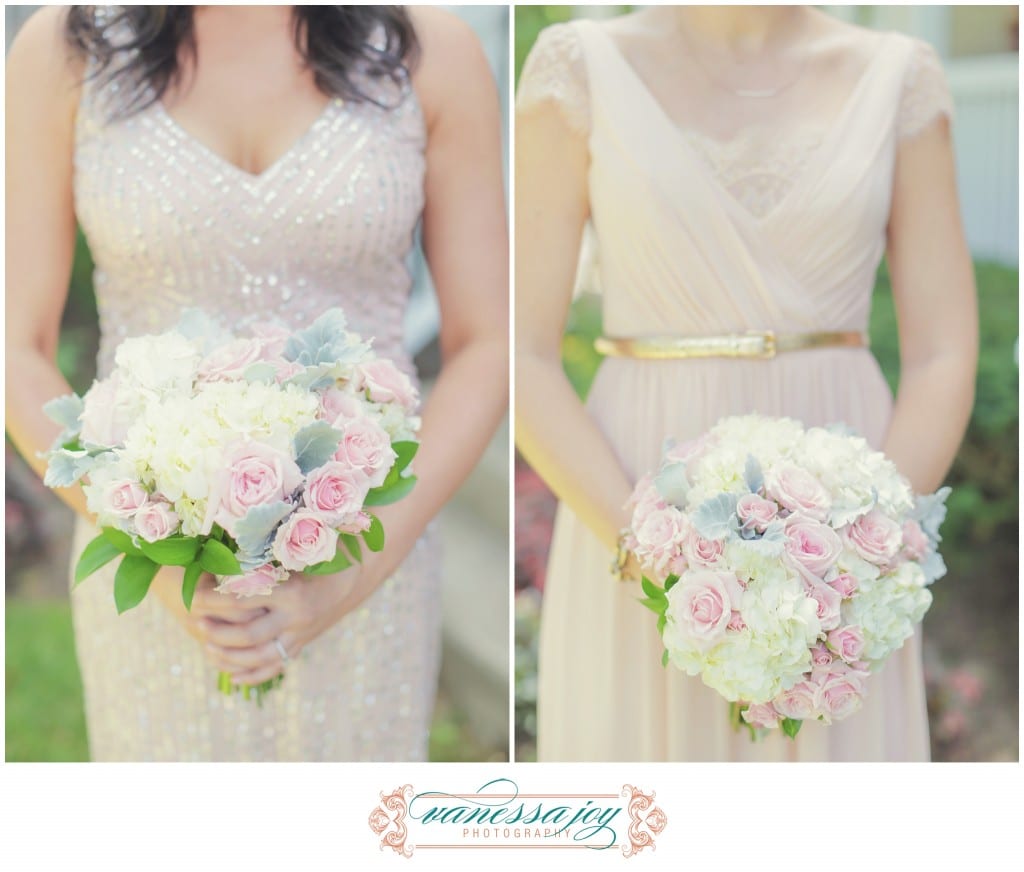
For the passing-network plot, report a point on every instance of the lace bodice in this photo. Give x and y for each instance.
(757, 166)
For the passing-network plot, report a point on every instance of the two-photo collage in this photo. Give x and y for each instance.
(511, 384)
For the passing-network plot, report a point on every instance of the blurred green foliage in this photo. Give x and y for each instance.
(79, 331)
(45, 721)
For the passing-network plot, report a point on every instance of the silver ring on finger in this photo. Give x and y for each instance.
(280, 650)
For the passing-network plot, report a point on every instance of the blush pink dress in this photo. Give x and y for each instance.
(172, 225)
(774, 219)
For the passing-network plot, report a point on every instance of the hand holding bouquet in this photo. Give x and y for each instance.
(248, 457)
(785, 564)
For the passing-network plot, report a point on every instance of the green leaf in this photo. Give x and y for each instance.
(336, 564)
(132, 580)
(174, 551)
(655, 605)
(218, 559)
(670, 582)
(664, 657)
(97, 553)
(651, 589)
(662, 620)
(791, 726)
(385, 495)
(188, 586)
(352, 543)
(406, 451)
(374, 537)
(122, 541)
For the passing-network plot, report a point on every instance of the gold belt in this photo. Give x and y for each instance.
(758, 344)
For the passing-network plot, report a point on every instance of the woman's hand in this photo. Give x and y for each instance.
(295, 614)
(209, 608)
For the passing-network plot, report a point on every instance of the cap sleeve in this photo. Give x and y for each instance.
(555, 73)
(926, 95)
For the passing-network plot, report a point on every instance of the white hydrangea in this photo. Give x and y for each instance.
(177, 445)
(771, 654)
(887, 609)
(158, 364)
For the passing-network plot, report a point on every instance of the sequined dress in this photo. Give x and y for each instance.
(718, 215)
(170, 224)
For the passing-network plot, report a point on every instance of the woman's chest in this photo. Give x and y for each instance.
(154, 198)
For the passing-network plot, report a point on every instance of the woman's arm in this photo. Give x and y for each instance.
(553, 430)
(465, 239)
(42, 96)
(936, 307)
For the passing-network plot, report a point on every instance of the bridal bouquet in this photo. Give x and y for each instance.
(789, 563)
(248, 457)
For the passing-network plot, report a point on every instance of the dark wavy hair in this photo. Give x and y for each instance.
(335, 42)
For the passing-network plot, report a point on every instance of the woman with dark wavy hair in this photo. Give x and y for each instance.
(262, 162)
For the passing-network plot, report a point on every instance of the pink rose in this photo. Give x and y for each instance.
(700, 551)
(340, 407)
(254, 474)
(684, 452)
(105, 415)
(847, 642)
(123, 497)
(336, 492)
(844, 584)
(812, 547)
(915, 543)
(678, 565)
(828, 601)
(658, 537)
(645, 499)
(228, 362)
(756, 513)
(841, 694)
(701, 604)
(820, 655)
(360, 523)
(796, 489)
(800, 702)
(874, 536)
(258, 582)
(272, 339)
(303, 540)
(761, 715)
(366, 447)
(155, 521)
(736, 622)
(386, 383)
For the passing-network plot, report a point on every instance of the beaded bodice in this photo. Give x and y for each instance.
(171, 224)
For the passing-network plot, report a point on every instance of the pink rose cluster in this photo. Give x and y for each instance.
(784, 563)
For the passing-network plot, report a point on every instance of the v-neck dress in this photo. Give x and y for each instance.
(170, 225)
(780, 231)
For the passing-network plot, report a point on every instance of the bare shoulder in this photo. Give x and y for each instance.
(40, 63)
(452, 65)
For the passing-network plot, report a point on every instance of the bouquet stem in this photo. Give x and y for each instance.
(225, 685)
